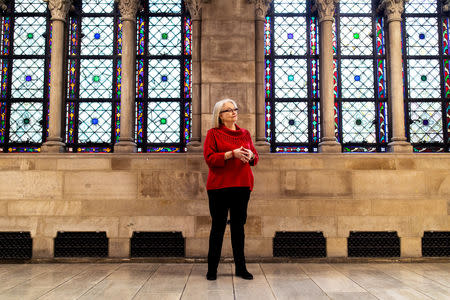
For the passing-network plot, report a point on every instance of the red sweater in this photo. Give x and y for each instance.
(231, 172)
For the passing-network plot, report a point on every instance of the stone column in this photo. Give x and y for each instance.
(128, 10)
(328, 142)
(59, 10)
(195, 9)
(393, 10)
(261, 7)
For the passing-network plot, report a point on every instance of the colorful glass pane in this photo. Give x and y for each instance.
(27, 78)
(29, 35)
(164, 78)
(163, 122)
(165, 6)
(164, 36)
(98, 36)
(291, 122)
(358, 122)
(26, 122)
(95, 122)
(267, 36)
(98, 6)
(290, 78)
(426, 122)
(356, 36)
(290, 6)
(421, 7)
(357, 78)
(290, 36)
(30, 6)
(187, 36)
(355, 6)
(2, 122)
(96, 78)
(423, 78)
(422, 36)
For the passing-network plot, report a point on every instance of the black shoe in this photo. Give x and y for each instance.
(244, 274)
(211, 276)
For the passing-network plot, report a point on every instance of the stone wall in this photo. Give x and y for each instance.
(122, 193)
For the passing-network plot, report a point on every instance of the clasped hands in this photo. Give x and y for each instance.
(244, 154)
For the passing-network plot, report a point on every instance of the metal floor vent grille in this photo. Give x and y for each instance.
(16, 245)
(299, 244)
(436, 243)
(81, 244)
(373, 244)
(157, 244)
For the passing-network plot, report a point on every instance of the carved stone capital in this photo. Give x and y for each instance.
(128, 9)
(261, 8)
(393, 9)
(3, 5)
(325, 9)
(195, 8)
(59, 9)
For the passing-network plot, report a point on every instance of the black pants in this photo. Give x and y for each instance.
(234, 199)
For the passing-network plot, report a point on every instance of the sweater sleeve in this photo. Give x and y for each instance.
(213, 158)
(252, 147)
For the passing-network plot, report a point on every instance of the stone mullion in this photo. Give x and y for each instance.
(59, 10)
(128, 10)
(194, 7)
(393, 10)
(328, 143)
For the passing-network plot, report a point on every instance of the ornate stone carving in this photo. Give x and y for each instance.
(59, 8)
(128, 9)
(325, 8)
(446, 5)
(3, 5)
(261, 7)
(195, 8)
(393, 9)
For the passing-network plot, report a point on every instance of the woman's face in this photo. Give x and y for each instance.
(228, 113)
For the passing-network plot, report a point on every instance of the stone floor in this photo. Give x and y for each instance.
(187, 281)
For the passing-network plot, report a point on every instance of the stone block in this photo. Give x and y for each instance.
(273, 207)
(159, 161)
(43, 247)
(337, 247)
(98, 185)
(3, 208)
(185, 224)
(405, 163)
(258, 247)
(353, 207)
(414, 207)
(202, 226)
(171, 185)
(197, 207)
(196, 163)
(428, 223)
(49, 226)
(9, 164)
(197, 247)
(266, 186)
(385, 184)
(44, 208)
(411, 246)
(81, 164)
(228, 71)
(317, 207)
(46, 164)
(119, 247)
(230, 48)
(121, 163)
(401, 224)
(291, 162)
(28, 223)
(370, 164)
(241, 93)
(225, 11)
(327, 225)
(441, 162)
(30, 185)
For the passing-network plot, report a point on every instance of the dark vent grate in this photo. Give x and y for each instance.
(16, 245)
(157, 244)
(81, 244)
(436, 243)
(299, 244)
(373, 244)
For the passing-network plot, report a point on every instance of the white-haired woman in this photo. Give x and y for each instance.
(229, 153)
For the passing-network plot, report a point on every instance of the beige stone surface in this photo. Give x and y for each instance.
(336, 246)
(242, 93)
(43, 247)
(119, 247)
(321, 183)
(328, 225)
(401, 224)
(49, 226)
(228, 48)
(228, 71)
(44, 208)
(415, 207)
(185, 224)
(411, 246)
(28, 223)
(30, 185)
(84, 164)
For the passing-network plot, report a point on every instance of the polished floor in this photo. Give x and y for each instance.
(187, 281)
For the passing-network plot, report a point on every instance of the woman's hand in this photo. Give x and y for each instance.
(243, 154)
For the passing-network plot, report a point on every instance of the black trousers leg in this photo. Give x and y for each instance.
(218, 208)
(238, 217)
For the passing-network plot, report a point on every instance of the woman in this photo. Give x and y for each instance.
(229, 153)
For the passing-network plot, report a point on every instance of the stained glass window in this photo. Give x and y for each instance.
(292, 70)
(426, 59)
(163, 101)
(359, 74)
(94, 77)
(25, 75)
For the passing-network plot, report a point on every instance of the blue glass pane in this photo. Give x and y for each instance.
(163, 122)
(30, 6)
(422, 36)
(26, 122)
(421, 7)
(103, 28)
(165, 6)
(356, 36)
(29, 35)
(164, 78)
(291, 122)
(96, 78)
(358, 120)
(290, 6)
(165, 36)
(27, 78)
(95, 122)
(290, 36)
(426, 122)
(357, 78)
(290, 78)
(98, 6)
(424, 78)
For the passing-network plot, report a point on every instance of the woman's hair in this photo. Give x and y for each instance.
(216, 111)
